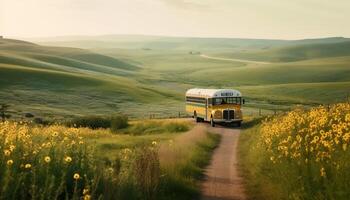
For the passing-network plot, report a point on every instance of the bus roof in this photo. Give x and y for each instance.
(211, 93)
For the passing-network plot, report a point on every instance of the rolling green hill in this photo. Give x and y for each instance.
(143, 75)
(177, 43)
(296, 52)
(68, 81)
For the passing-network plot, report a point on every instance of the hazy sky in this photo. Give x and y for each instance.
(287, 19)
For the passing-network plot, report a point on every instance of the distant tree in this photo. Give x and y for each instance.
(3, 112)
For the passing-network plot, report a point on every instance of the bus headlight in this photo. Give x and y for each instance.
(238, 114)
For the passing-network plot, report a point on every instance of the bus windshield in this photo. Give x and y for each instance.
(227, 100)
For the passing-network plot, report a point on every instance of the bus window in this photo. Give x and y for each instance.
(223, 101)
(216, 101)
(196, 100)
(226, 100)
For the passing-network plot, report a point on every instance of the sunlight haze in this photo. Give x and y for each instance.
(279, 19)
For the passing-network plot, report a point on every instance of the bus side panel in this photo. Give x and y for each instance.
(206, 110)
(201, 112)
(199, 108)
(209, 110)
(189, 109)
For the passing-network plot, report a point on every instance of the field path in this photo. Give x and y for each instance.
(222, 178)
(235, 60)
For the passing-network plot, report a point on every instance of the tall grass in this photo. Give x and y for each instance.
(301, 155)
(56, 162)
(158, 126)
(182, 162)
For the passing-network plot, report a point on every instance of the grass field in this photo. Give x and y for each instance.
(56, 162)
(149, 75)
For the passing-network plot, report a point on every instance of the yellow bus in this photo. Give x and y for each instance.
(215, 105)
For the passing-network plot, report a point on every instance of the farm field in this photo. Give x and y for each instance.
(149, 74)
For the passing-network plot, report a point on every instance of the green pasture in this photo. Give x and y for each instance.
(141, 75)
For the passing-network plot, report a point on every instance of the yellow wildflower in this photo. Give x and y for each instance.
(347, 117)
(7, 152)
(9, 162)
(76, 176)
(55, 134)
(12, 147)
(68, 159)
(85, 191)
(27, 166)
(110, 170)
(323, 172)
(47, 159)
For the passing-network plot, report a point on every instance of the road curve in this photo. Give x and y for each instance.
(235, 60)
(223, 181)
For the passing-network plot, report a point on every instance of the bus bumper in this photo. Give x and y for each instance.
(227, 121)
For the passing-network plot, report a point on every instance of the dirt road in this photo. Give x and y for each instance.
(235, 60)
(222, 179)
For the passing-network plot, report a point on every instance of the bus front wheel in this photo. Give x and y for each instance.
(212, 123)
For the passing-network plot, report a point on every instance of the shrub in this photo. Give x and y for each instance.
(41, 121)
(114, 122)
(29, 115)
(93, 122)
(118, 122)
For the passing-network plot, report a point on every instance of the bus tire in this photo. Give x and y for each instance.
(212, 123)
(195, 116)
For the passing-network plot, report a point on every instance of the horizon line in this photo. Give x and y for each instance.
(167, 36)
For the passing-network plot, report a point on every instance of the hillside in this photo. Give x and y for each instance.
(65, 81)
(297, 52)
(177, 43)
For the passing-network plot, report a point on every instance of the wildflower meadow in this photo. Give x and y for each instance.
(303, 154)
(58, 162)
